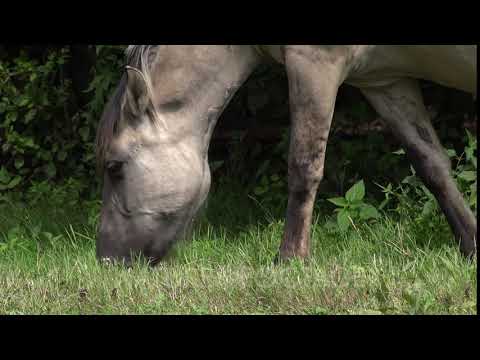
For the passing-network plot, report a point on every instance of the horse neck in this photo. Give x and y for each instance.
(220, 89)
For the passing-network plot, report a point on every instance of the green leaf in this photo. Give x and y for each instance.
(428, 208)
(339, 201)
(343, 220)
(356, 192)
(50, 170)
(30, 115)
(427, 193)
(29, 143)
(4, 175)
(259, 190)
(19, 163)
(472, 201)
(472, 140)
(45, 155)
(384, 203)
(62, 155)
(451, 153)
(412, 180)
(23, 101)
(369, 212)
(11, 117)
(356, 204)
(468, 175)
(399, 152)
(15, 181)
(473, 187)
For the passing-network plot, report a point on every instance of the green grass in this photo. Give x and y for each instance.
(48, 266)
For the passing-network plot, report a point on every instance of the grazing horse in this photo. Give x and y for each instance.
(153, 138)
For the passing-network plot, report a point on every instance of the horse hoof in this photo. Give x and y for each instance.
(285, 259)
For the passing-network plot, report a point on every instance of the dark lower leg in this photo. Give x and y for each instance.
(463, 224)
(459, 216)
(296, 238)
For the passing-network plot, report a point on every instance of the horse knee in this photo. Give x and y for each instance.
(435, 170)
(305, 175)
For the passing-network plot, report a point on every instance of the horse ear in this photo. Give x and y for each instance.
(137, 95)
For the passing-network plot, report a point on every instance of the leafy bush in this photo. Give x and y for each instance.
(465, 173)
(43, 135)
(34, 110)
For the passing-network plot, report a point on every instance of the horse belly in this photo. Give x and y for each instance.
(449, 65)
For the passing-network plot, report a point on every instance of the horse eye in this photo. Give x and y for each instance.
(114, 168)
(172, 105)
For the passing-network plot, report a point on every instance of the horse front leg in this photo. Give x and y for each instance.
(314, 76)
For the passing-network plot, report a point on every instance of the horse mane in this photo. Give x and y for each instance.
(140, 57)
(107, 125)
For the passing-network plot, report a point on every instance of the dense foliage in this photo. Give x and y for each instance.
(45, 132)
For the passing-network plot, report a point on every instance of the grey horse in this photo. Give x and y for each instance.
(153, 138)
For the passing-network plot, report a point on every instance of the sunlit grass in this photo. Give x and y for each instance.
(48, 266)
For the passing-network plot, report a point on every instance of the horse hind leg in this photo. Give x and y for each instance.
(402, 108)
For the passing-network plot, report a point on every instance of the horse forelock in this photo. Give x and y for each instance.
(141, 57)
